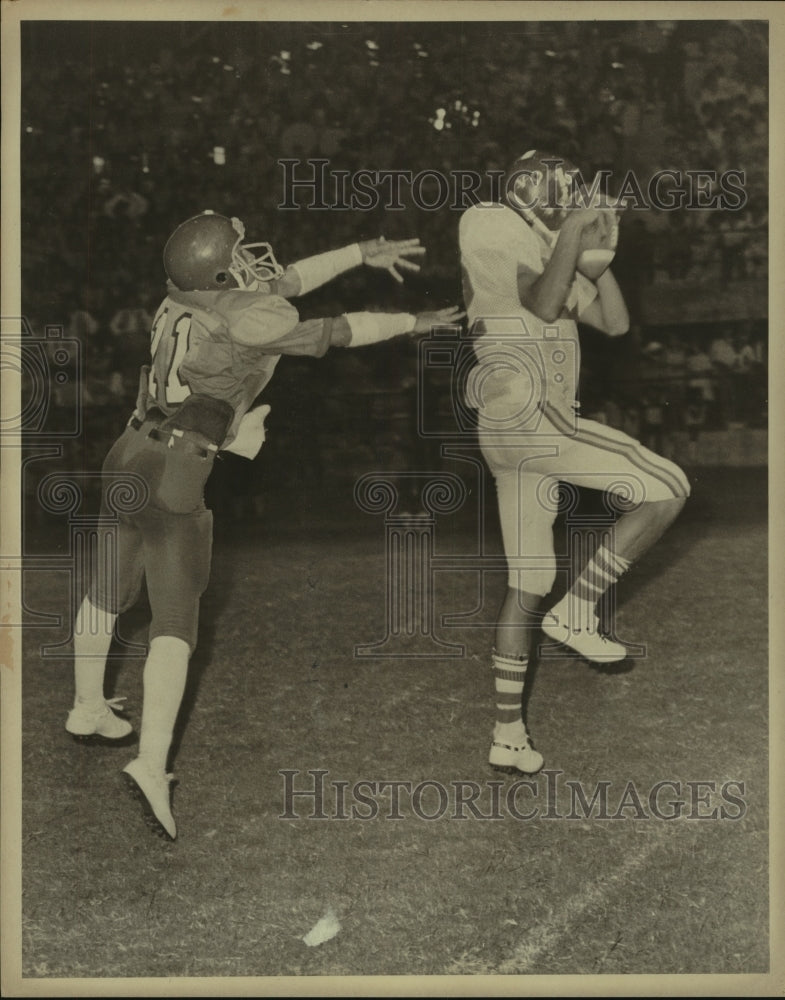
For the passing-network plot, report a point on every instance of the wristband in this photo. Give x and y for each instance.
(316, 271)
(372, 328)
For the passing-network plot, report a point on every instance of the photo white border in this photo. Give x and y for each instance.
(12, 12)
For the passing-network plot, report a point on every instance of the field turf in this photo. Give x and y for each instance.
(275, 686)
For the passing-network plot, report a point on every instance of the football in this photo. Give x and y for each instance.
(601, 238)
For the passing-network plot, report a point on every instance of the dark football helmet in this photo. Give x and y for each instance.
(206, 253)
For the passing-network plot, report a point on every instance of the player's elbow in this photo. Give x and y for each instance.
(547, 315)
(543, 308)
(289, 286)
(615, 322)
(618, 328)
(538, 299)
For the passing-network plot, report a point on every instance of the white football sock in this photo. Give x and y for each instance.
(93, 632)
(165, 674)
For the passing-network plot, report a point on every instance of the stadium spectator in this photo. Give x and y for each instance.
(701, 381)
(746, 379)
(726, 361)
(723, 353)
(82, 325)
(677, 247)
(748, 357)
(132, 321)
(675, 356)
(652, 421)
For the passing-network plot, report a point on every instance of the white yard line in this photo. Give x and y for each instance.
(546, 937)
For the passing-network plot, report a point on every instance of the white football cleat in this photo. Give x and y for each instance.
(153, 789)
(585, 639)
(518, 756)
(98, 724)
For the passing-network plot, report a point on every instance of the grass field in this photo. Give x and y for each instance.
(275, 687)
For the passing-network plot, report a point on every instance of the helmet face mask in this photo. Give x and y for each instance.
(206, 253)
(543, 187)
(248, 268)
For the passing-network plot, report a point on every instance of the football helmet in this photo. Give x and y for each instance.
(542, 186)
(206, 253)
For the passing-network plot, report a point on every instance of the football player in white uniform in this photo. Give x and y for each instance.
(533, 264)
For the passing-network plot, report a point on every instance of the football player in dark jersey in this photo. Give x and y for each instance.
(216, 339)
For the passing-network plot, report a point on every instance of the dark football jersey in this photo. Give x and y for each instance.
(225, 345)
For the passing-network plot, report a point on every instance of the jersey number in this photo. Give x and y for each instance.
(175, 390)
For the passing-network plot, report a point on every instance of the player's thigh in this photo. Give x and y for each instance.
(171, 478)
(117, 564)
(526, 488)
(528, 504)
(116, 460)
(523, 451)
(602, 458)
(178, 552)
(117, 557)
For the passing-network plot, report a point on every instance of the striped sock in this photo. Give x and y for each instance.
(603, 570)
(509, 677)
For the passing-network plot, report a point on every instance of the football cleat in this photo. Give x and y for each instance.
(585, 639)
(520, 756)
(153, 790)
(99, 724)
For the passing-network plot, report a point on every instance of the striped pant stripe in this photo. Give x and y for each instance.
(613, 441)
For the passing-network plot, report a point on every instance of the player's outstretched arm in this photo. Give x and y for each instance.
(392, 255)
(312, 272)
(362, 329)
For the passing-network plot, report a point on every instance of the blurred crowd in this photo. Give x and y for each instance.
(128, 129)
(137, 126)
(704, 378)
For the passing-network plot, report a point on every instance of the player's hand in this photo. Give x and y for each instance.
(582, 220)
(598, 244)
(440, 317)
(603, 232)
(391, 255)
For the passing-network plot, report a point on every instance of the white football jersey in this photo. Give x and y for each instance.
(519, 355)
